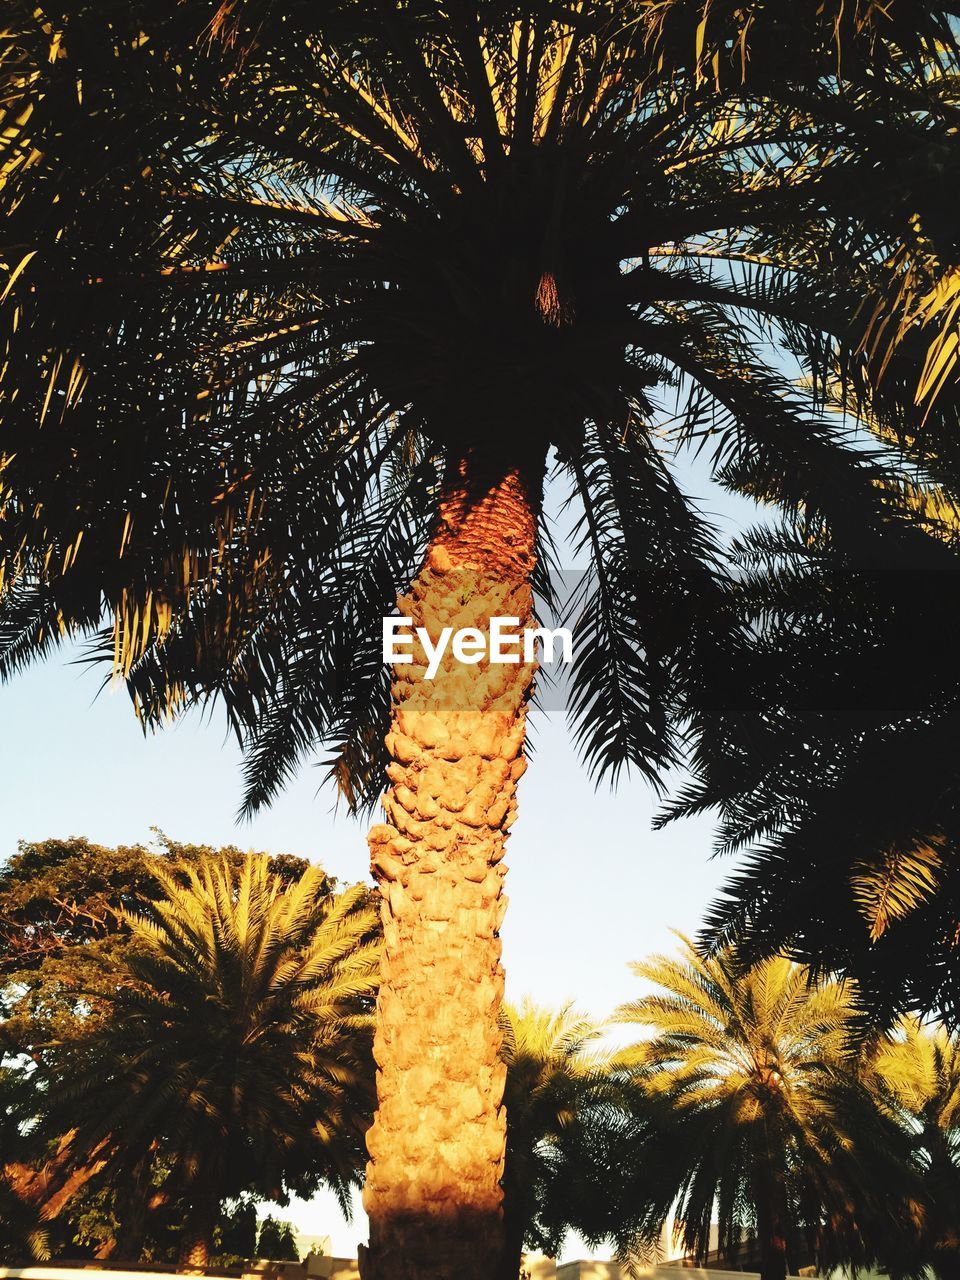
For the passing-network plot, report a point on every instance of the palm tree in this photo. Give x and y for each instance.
(63, 911)
(558, 1080)
(297, 305)
(841, 873)
(918, 1068)
(237, 1050)
(756, 1068)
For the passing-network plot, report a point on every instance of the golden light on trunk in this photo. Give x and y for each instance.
(436, 1146)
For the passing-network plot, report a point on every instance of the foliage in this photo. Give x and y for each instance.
(270, 276)
(557, 1080)
(267, 277)
(276, 1240)
(240, 1235)
(63, 926)
(583, 1150)
(243, 1039)
(835, 765)
(766, 1129)
(93, 1226)
(22, 1233)
(232, 1054)
(915, 1072)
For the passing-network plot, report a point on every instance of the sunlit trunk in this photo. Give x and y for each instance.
(436, 1146)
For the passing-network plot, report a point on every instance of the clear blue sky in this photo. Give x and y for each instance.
(591, 887)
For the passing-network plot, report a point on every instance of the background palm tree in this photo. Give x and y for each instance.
(296, 307)
(236, 1054)
(558, 1081)
(756, 1068)
(918, 1068)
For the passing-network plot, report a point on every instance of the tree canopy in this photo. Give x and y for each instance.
(320, 253)
(216, 1040)
(915, 1071)
(768, 1131)
(834, 770)
(64, 927)
(298, 307)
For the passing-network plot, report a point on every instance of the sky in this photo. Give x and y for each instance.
(591, 887)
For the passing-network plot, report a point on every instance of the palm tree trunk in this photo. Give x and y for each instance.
(511, 1262)
(436, 1145)
(203, 1201)
(772, 1215)
(132, 1230)
(516, 1216)
(945, 1225)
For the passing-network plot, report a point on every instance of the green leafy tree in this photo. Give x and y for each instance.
(277, 1241)
(582, 1141)
(298, 304)
(768, 1128)
(235, 1236)
(236, 1056)
(95, 1223)
(584, 1151)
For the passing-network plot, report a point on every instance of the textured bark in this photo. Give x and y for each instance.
(436, 1146)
